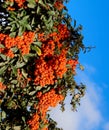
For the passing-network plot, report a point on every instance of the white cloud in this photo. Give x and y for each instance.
(88, 116)
(106, 127)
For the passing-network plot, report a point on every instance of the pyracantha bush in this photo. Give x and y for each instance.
(39, 51)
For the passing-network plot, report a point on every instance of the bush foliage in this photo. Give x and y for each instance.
(39, 52)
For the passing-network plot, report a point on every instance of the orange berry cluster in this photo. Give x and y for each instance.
(22, 42)
(49, 68)
(34, 122)
(59, 36)
(50, 65)
(72, 63)
(20, 3)
(63, 32)
(2, 87)
(58, 5)
(47, 100)
(43, 73)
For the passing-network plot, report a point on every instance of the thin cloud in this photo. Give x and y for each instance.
(106, 126)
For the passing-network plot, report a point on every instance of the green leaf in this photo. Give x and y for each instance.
(2, 46)
(13, 28)
(14, 49)
(51, 12)
(32, 93)
(24, 73)
(20, 31)
(8, 127)
(25, 18)
(23, 118)
(37, 49)
(14, 81)
(31, 3)
(3, 69)
(17, 127)
(42, 3)
(14, 70)
(11, 104)
(3, 114)
(28, 56)
(3, 56)
(33, 21)
(20, 64)
(1, 79)
(13, 34)
(38, 43)
(81, 67)
(37, 88)
(38, 9)
(28, 27)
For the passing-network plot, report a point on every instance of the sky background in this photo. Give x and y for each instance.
(93, 114)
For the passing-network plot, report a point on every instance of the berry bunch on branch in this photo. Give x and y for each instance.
(39, 53)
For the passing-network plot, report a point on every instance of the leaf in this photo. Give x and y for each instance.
(37, 88)
(14, 49)
(42, 3)
(38, 10)
(13, 34)
(38, 43)
(31, 3)
(8, 128)
(23, 118)
(37, 49)
(81, 67)
(17, 127)
(14, 81)
(33, 21)
(14, 70)
(74, 23)
(20, 31)
(3, 56)
(32, 93)
(2, 69)
(26, 57)
(20, 64)
(3, 114)
(51, 12)
(13, 28)
(11, 104)
(28, 27)
(25, 18)
(1, 79)
(24, 73)
(2, 46)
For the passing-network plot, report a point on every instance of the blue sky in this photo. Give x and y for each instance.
(93, 114)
